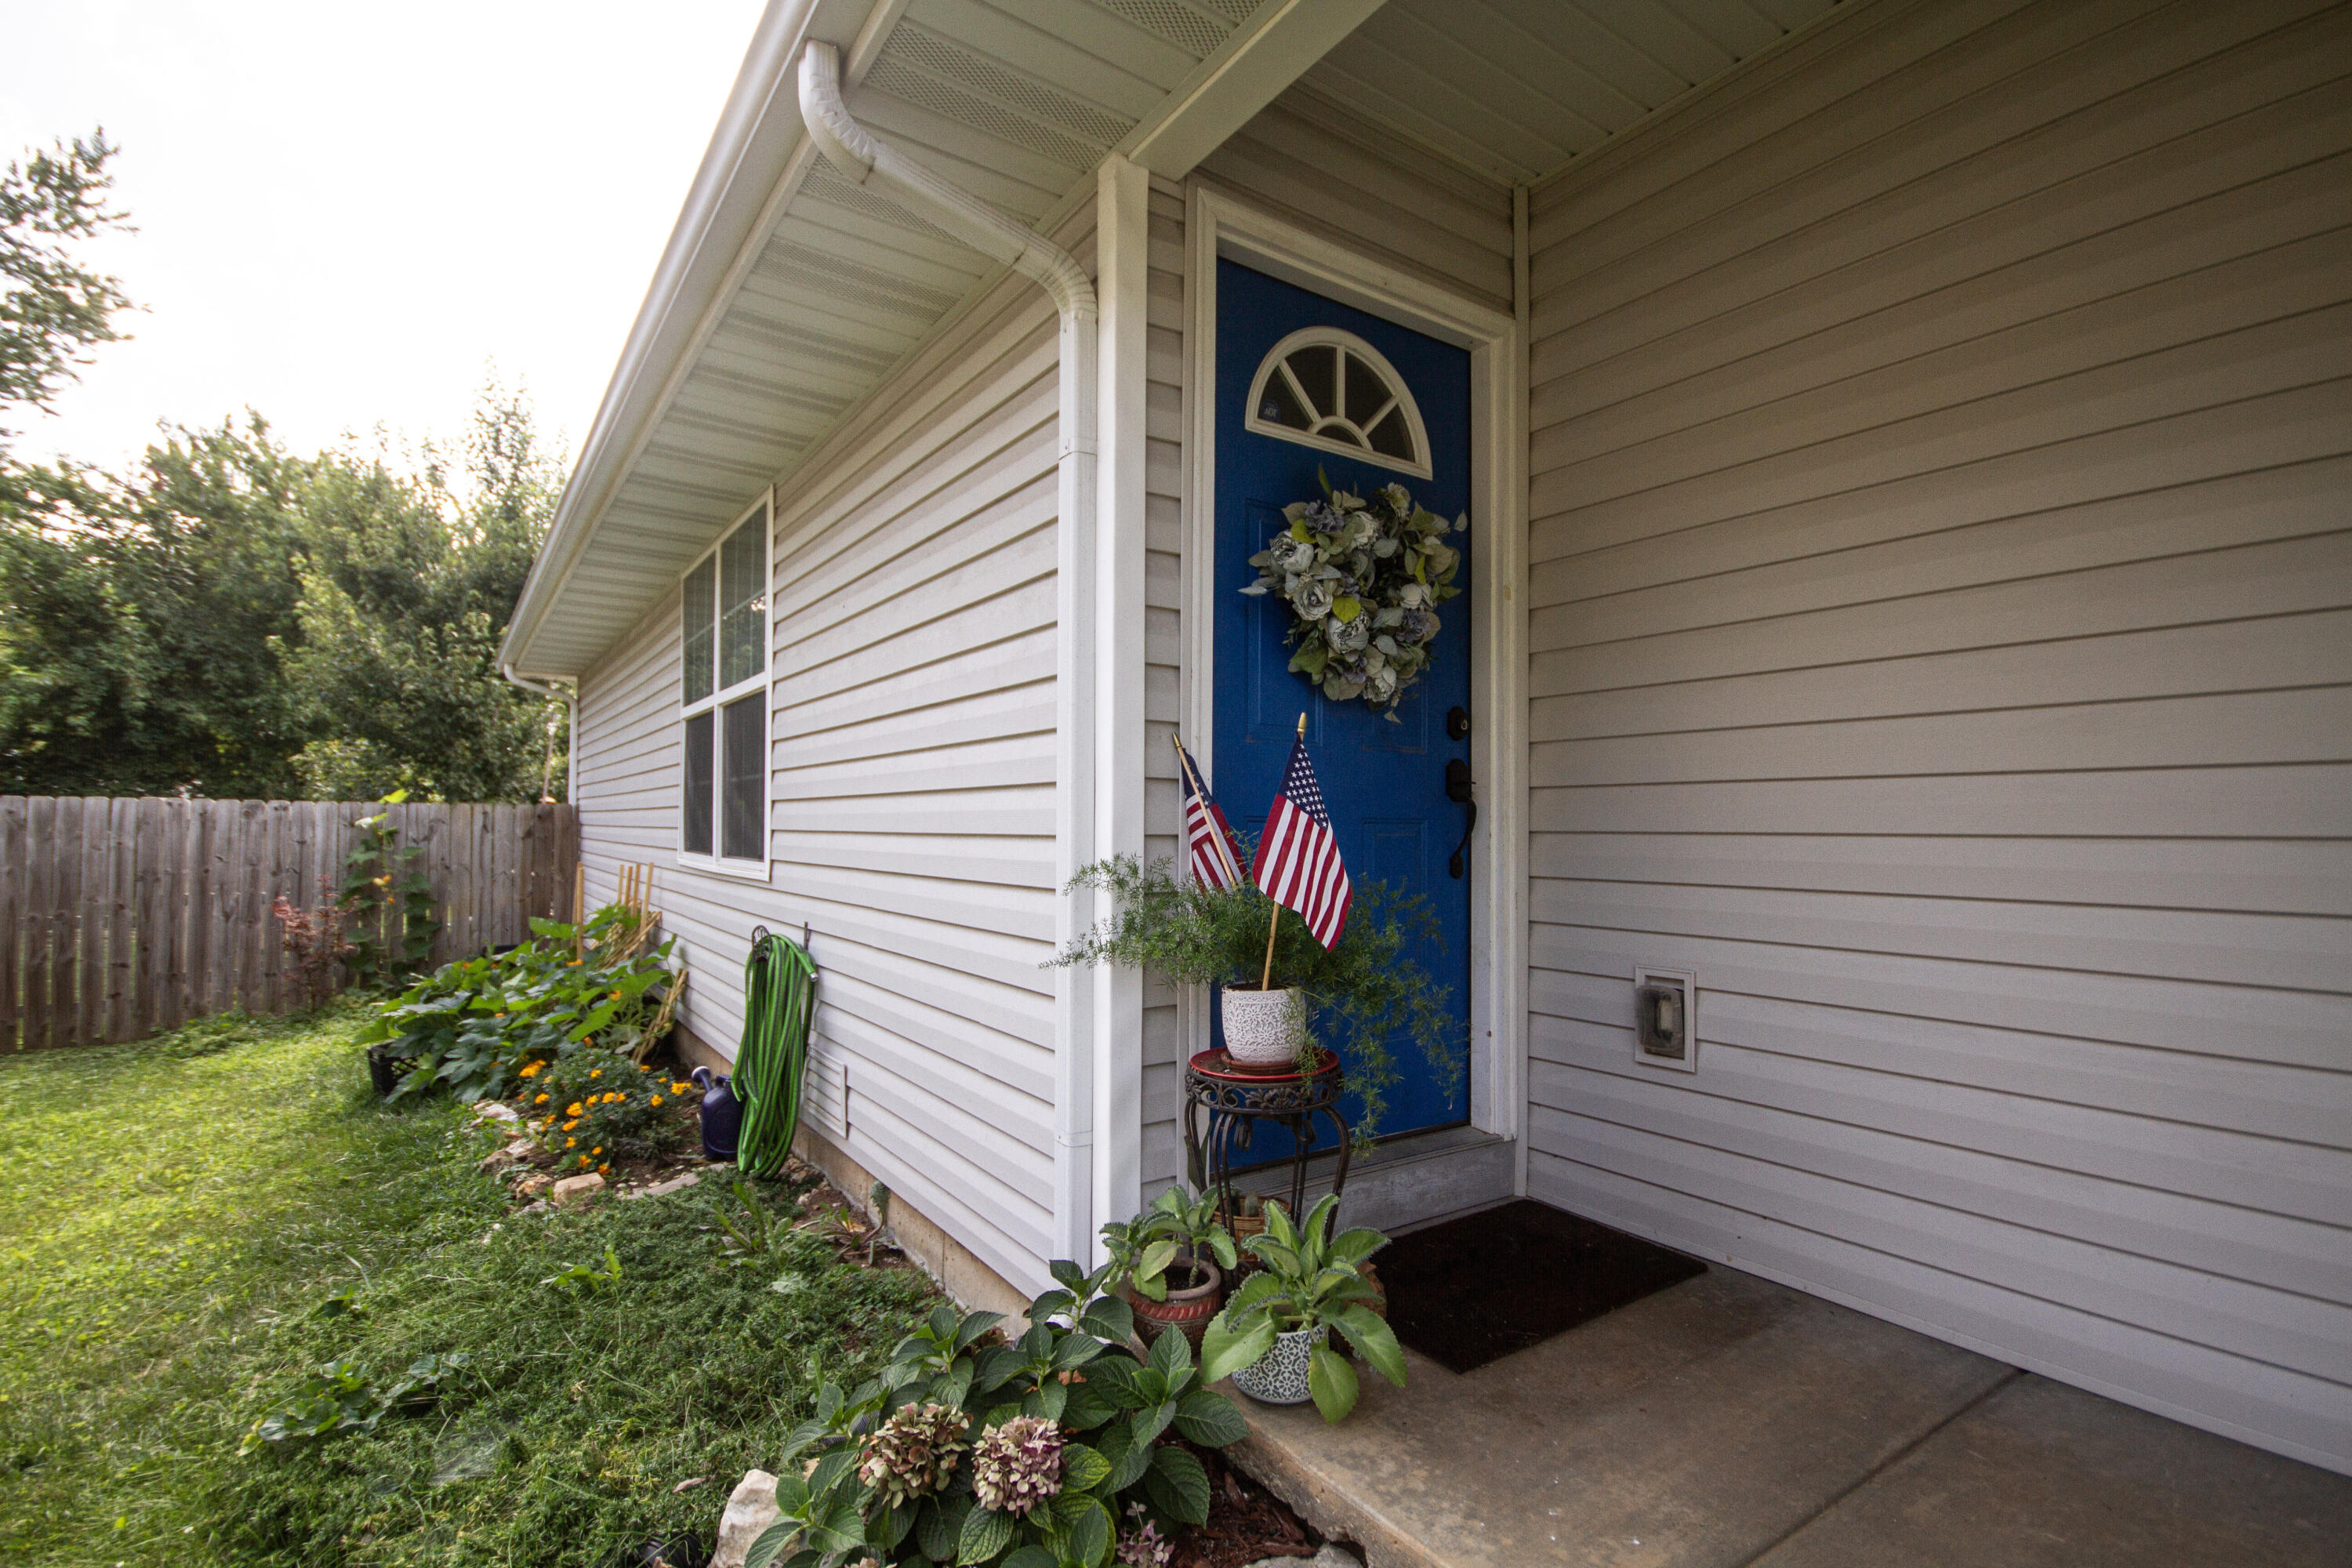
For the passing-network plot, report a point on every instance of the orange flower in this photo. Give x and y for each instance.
(597, 1150)
(538, 1099)
(657, 1100)
(573, 1108)
(569, 1142)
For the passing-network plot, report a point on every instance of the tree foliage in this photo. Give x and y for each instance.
(232, 620)
(54, 310)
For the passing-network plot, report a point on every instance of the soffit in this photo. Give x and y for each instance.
(1014, 101)
(1517, 89)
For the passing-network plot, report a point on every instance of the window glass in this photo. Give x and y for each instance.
(745, 790)
(742, 582)
(1391, 438)
(1367, 392)
(1280, 405)
(697, 632)
(1318, 370)
(701, 731)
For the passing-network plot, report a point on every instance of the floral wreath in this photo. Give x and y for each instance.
(1363, 578)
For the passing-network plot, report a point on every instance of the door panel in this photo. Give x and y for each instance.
(1384, 781)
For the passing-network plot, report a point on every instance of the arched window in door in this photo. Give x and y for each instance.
(1324, 387)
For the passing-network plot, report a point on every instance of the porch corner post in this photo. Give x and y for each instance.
(1122, 287)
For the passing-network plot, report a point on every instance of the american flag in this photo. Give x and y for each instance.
(1210, 846)
(1299, 863)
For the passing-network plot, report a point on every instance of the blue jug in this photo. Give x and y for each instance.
(722, 1115)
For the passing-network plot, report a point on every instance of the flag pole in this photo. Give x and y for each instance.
(1225, 850)
(1265, 978)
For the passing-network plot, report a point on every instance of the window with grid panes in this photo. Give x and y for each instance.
(723, 702)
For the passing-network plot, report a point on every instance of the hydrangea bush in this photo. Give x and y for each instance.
(1363, 577)
(1071, 1437)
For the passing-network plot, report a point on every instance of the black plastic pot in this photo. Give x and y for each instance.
(385, 1071)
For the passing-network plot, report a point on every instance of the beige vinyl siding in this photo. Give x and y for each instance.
(1941, 639)
(911, 795)
(1312, 161)
(1164, 1046)
(627, 784)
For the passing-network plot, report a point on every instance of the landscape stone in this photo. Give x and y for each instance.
(580, 1188)
(663, 1189)
(496, 1112)
(751, 1508)
(1329, 1557)
(532, 1186)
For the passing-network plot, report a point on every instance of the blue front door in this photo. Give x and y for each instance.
(1384, 783)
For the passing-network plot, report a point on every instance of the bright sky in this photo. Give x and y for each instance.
(350, 215)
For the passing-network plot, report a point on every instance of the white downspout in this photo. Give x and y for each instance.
(571, 725)
(859, 156)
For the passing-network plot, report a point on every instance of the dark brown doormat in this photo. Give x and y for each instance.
(1476, 1289)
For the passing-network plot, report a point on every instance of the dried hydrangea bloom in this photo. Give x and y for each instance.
(911, 1455)
(1018, 1464)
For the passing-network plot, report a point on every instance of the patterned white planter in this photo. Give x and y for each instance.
(1279, 1376)
(1261, 1026)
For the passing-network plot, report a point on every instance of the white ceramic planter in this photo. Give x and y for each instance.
(1279, 1376)
(1262, 1027)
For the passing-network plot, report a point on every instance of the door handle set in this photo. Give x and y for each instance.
(1461, 789)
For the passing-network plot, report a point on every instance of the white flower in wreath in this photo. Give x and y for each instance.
(1363, 578)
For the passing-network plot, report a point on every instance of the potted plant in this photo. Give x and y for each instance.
(1353, 996)
(1161, 1259)
(1273, 1337)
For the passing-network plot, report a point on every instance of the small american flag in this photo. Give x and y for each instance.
(1212, 852)
(1298, 865)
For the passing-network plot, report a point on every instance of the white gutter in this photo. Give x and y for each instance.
(862, 157)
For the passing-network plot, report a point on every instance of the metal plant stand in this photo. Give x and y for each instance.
(1222, 1108)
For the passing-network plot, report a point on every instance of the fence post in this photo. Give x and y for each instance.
(12, 897)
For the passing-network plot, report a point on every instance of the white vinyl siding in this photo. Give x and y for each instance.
(1310, 161)
(1941, 640)
(1164, 1046)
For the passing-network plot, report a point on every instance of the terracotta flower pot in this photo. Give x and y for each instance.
(1187, 1311)
(1261, 1026)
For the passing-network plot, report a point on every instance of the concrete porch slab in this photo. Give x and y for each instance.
(1730, 1421)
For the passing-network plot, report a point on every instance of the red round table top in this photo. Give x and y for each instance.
(1221, 1065)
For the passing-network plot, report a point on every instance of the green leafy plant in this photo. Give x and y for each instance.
(1176, 1228)
(594, 1104)
(1362, 992)
(389, 921)
(475, 1026)
(587, 1276)
(1309, 1281)
(755, 1239)
(970, 1449)
(339, 1397)
(1362, 577)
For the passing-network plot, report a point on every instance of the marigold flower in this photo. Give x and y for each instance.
(597, 1150)
(568, 1142)
(573, 1108)
(595, 1072)
(584, 1159)
(538, 1099)
(604, 1170)
(657, 1100)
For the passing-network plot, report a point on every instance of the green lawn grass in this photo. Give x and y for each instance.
(175, 1214)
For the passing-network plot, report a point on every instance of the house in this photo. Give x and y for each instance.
(1906, 446)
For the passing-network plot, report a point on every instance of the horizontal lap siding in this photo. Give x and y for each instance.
(1941, 629)
(1333, 173)
(911, 810)
(914, 782)
(1164, 1045)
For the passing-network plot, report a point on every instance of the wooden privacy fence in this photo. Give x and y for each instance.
(122, 917)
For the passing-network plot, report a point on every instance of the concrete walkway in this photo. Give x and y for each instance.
(1730, 1421)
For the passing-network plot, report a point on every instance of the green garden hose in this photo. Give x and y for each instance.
(779, 997)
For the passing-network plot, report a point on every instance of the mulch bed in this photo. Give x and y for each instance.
(1478, 1288)
(1246, 1523)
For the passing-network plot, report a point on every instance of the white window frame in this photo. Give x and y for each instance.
(1400, 395)
(717, 864)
